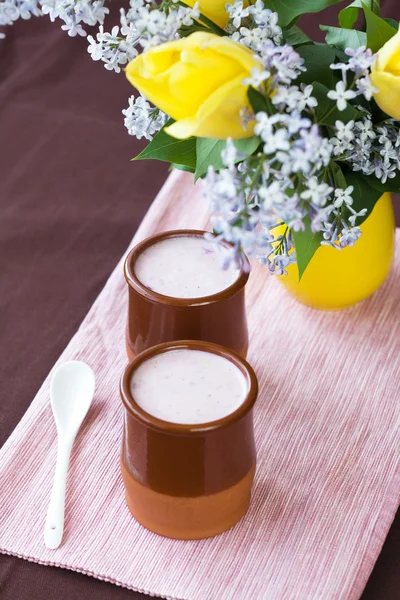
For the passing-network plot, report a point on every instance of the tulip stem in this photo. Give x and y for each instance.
(210, 24)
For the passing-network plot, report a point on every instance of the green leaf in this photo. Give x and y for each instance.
(294, 36)
(349, 15)
(344, 38)
(288, 10)
(169, 149)
(393, 23)
(339, 178)
(181, 168)
(209, 152)
(327, 112)
(378, 31)
(293, 22)
(306, 243)
(364, 195)
(391, 185)
(187, 30)
(317, 59)
(257, 101)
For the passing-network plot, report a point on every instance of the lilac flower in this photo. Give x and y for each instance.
(341, 95)
(365, 86)
(361, 60)
(343, 197)
(384, 170)
(345, 131)
(307, 100)
(356, 215)
(142, 120)
(349, 236)
(229, 154)
(257, 77)
(276, 141)
(237, 13)
(366, 129)
(316, 192)
(271, 195)
(280, 262)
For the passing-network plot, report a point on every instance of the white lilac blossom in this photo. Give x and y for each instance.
(372, 150)
(294, 97)
(229, 154)
(296, 178)
(145, 23)
(257, 77)
(252, 26)
(365, 87)
(11, 10)
(284, 64)
(142, 27)
(268, 193)
(343, 197)
(74, 13)
(143, 120)
(111, 49)
(237, 13)
(360, 62)
(8, 13)
(261, 202)
(317, 193)
(341, 95)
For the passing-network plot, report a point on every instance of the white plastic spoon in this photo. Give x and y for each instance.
(71, 394)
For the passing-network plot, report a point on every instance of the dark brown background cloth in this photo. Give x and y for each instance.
(70, 202)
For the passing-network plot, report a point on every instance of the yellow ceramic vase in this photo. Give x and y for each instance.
(338, 279)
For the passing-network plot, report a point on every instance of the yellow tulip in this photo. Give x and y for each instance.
(198, 81)
(386, 77)
(213, 9)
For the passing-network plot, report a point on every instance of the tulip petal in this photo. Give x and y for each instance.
(183, 129)
(388, 97)
(214, 9)
(386, 53)
(219, 117)
(198, 81)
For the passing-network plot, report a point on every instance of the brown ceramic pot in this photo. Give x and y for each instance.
(188, 481)
(154, 318)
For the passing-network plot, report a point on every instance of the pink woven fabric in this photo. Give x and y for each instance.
(327, 429)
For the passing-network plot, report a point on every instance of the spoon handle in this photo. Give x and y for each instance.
(54, 527)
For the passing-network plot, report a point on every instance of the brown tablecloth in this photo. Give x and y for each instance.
(70, 202)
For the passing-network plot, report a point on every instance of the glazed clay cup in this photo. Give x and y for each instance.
(188, 481)
(154, 318)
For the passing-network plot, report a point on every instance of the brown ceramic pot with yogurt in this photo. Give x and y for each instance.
(154, 318)
(188, 481)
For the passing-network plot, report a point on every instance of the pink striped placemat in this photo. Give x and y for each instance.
(327, 428)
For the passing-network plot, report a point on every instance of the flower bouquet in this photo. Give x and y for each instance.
(297, 141)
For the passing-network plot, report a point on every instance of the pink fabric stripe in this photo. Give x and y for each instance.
(328, 437)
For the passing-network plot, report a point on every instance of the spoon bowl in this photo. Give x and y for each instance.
(71, 394)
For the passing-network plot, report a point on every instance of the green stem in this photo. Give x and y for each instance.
(278, 249)
(329, 113)
(256, 174)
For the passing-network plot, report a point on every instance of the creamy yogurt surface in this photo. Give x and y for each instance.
(185, 267)
(188, 386)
